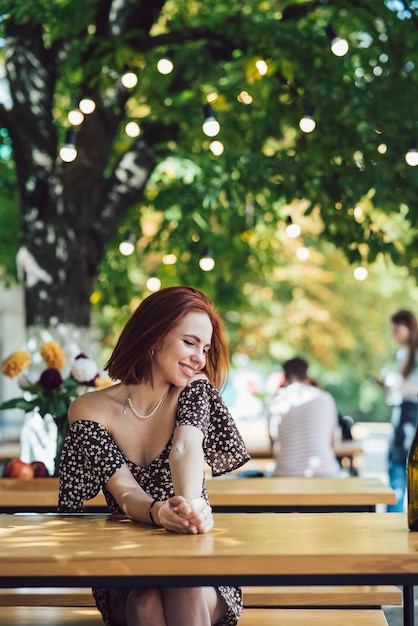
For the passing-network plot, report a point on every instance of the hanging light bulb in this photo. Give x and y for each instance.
(262, 67)
(127, 246)
(153, 283)
(292, 230)
(360, 273)
(216, 147)
(165, 65)
(339, 46)
(211, 126)
(411, 157)
(87, 105)
(68, 152)
(75, 117)
(129, 80)
(307, 123)
(170, 259)
(302, 253)
(207, 262)
(132, 129)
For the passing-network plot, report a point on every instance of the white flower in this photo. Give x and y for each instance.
(28, 379)
(84, 370)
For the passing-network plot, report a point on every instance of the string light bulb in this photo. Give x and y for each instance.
(411, 157)
(153, 283)
(170, 259)
(207, 262)
(75, 117)
(292, 230)
(68, 152)
(216, 147)
(127, 246)
(165, 65)
(360, 273)
(262, 67)
(211, 126)
(307, 123)
(339, 46)
(132, 129)
(129, 80)
(302, 253)
(87, 105)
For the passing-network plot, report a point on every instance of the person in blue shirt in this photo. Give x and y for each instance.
(403, 389)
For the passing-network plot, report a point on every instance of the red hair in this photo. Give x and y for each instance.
(130, 361)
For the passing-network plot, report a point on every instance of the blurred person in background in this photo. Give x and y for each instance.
(401, 392)
(303, 425)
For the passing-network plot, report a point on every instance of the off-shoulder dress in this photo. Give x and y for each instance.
(90, 457)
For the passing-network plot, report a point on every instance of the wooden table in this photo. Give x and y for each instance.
(285, 494)
(9, 450)
(347, 452)
(243, 549)
(282, 494)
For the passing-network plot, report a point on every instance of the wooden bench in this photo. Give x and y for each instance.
(70, 616)
(370, 596)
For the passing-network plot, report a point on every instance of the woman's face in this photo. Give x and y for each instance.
(184, 349)
(400, 333)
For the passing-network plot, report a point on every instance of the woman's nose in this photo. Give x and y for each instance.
(200, 357)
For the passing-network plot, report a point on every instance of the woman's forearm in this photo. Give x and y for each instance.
(187, 468)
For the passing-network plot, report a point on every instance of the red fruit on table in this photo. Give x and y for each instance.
(19, 469)
(39, 469)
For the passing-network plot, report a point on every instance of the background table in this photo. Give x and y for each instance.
(282, 494)
(285, 494)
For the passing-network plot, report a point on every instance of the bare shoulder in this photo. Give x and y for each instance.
(96, 406)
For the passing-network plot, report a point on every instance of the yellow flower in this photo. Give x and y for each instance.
(102, 382)
(53, 355)
(15, 363)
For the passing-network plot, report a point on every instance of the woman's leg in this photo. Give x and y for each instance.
(144, 607)
(193, 606)
(180, 606)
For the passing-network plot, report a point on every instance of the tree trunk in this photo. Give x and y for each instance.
(70, 211)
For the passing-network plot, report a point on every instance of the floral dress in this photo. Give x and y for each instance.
(90, 457)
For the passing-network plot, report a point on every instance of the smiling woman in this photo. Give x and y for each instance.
(144, 441)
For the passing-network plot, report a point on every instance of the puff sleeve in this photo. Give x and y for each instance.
(89, 458)
(201, 405)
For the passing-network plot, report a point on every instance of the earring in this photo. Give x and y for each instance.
(152, 352)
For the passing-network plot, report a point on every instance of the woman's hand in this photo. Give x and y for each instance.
(185, 516)
(198, 513)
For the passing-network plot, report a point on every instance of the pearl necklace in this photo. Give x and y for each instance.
(154, 410)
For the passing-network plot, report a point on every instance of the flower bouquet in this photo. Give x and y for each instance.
(49, 392)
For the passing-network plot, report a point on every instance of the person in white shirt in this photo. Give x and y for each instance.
(303, 425)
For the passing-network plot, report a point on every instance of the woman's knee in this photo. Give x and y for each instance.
(205, 603)
(144, 605)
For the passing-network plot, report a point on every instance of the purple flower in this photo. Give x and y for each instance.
(50, 379)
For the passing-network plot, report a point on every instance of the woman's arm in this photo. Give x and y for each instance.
(187, 461)
(140, 507)
(187, 468)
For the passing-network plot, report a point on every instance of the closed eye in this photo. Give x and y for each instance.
(191, 343)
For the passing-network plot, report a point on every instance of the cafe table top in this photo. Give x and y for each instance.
(259, 494)
(314, 548)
